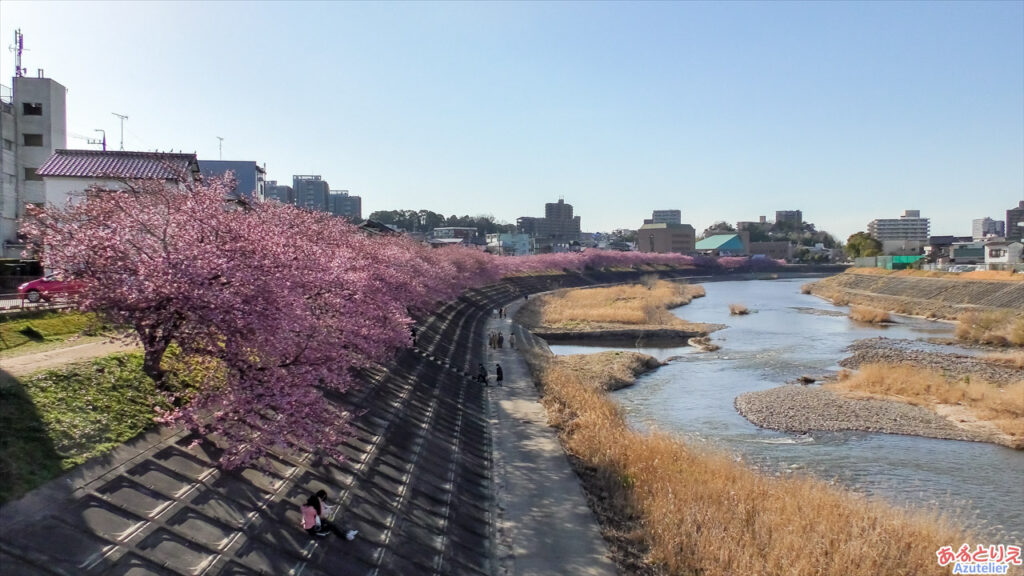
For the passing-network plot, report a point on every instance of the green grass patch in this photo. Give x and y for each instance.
(51, 421)
(49, 326)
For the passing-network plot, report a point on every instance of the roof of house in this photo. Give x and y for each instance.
(118, 164)
(719, 241)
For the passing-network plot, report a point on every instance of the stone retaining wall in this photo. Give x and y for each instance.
(931, 297)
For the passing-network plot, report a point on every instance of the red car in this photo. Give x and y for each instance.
(48, 288)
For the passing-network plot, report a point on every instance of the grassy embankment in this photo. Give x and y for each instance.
(999, 404)
(691, 511)
(53, 420)
(695, 512)
(38, 331)
(632, 306)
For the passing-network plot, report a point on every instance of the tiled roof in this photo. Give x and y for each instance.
(118, 164)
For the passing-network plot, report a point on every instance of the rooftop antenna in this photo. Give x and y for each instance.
(220, 148)
(18, 48)
(123, 118)
(103, 141)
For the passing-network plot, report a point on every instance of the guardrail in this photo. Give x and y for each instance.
(13, 301)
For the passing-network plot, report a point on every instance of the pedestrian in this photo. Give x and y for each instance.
(512, 340)
(481, 375)
(313, 520)
(526, 296)
(501, 340)
(498, 374)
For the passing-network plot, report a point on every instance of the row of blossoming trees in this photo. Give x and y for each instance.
(286, 302)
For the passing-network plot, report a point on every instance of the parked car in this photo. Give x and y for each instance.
(47, 288)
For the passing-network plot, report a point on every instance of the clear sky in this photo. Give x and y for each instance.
(726, 111)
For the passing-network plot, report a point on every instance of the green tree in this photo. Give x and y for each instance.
(861, 244)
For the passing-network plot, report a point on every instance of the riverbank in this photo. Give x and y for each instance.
(676, 509)
(940, 296)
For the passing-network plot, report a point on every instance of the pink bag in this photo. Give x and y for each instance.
(309, 517)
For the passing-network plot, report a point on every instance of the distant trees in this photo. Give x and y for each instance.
(425, 221)
(861, 244)
(719, 227)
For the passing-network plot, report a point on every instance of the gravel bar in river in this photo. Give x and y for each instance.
(796, 408)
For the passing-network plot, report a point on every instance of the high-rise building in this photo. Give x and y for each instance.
(279, 192)
(910, 226)
(666, 217)
(983, 227)
(346, 205)
(1015, 222)
(311, 193)
(249, 176)
(558, 224)
(794, 217)
(33, 124)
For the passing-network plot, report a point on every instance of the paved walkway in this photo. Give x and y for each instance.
(544, 525)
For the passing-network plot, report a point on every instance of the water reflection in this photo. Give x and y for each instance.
(788, 335)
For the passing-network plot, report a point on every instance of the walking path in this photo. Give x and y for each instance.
(543, 522)
(56, 357)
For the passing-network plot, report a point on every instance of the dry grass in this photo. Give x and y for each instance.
(998, 327)
(632, 304)
(1001, 405)
(807, 288)
(702, 513)
(738, 310)
(870, 315)
(996, 275)
(609, 370)
(1015, 359)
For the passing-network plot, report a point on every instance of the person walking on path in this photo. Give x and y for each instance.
(501, 340)
(498, 374)
(481, 375)
(512, 340)
(313, 517)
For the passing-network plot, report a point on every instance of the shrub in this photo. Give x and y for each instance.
(738, 310)
(870, 315)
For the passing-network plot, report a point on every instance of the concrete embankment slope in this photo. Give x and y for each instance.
(920, 296)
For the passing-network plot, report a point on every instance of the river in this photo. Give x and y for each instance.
(789, 334)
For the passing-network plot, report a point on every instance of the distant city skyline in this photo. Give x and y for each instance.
(849, 112)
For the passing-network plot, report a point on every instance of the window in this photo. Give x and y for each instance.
(996, 253)
(32, 108)
(30, 174)
(33, 139)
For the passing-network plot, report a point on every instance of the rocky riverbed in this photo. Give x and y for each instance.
(796, 408)
(800, 408)
(889, 351)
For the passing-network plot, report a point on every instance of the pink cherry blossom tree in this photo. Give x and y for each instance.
(289, 303)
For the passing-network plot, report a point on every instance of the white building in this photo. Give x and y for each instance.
(509, 244)
(33, 123)
(69, 172)
(906, 230)
(1003, 254)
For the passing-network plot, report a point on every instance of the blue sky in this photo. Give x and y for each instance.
(726, 111)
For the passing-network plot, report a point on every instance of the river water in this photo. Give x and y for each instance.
(790, 334)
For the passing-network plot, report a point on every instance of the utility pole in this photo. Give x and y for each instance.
(123, 118)
(220, 148)
(103, 141)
